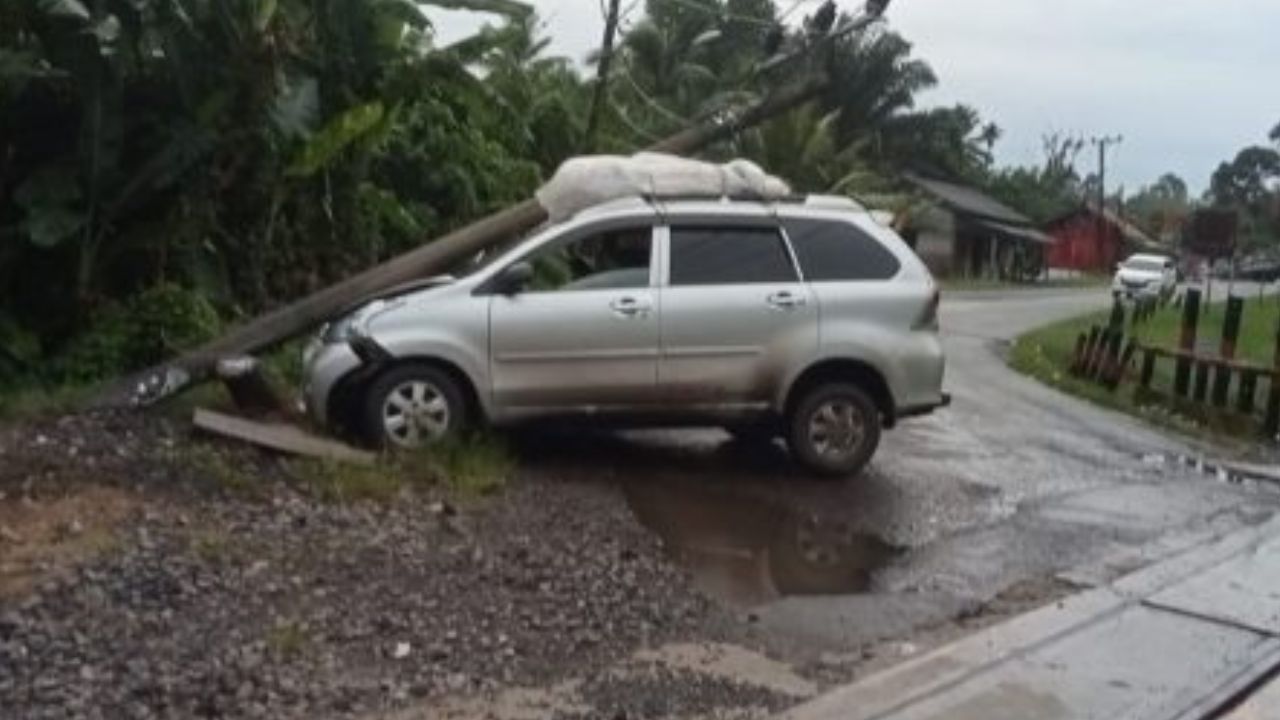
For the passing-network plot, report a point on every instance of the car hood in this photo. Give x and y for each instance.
(1138, 275)
(416, 288)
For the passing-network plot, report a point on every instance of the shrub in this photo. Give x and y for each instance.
(140, 331)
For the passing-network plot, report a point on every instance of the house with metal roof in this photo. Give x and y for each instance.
(1093, 240)
(960, 231)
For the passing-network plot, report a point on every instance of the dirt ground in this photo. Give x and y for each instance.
(140, 577)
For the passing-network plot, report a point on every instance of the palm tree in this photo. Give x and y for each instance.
(875, 79)
(689, 58)
(989, 135)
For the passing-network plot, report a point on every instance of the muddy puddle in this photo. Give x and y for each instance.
(747, 548)
(747, 525)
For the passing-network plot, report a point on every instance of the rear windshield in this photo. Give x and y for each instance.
(830, 250)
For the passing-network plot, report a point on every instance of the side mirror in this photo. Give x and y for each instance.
(514, 278)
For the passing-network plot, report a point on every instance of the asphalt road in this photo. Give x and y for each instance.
(1013, 485)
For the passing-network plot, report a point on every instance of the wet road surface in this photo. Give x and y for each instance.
(1014, 483)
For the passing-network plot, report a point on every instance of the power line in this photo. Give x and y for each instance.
(794, 6)
(650, 100)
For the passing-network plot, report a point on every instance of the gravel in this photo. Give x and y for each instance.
(213, 604)
(665, 694)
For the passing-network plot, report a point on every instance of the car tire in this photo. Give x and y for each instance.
(412, 406)
(834, 429)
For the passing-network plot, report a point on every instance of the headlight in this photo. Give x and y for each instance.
(346, 328)
(339, 331)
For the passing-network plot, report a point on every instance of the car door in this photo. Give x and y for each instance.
(585, 330)
(734, 310)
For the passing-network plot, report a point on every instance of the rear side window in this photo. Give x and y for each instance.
(729, 255)
(830, 250)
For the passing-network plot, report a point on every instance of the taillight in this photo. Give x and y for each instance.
(928, 319)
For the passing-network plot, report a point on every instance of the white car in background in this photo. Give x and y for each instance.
(1145, 276)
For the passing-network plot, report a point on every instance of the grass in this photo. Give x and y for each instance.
(468, 468)
(1046, 353)
(287, 640)
(37, 403)
(227, 470)
(28, 402)
(1257, 339)
(472, 467)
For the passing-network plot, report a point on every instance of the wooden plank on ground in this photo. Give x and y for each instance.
(281, 437)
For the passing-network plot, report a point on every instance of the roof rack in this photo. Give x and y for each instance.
(660, 203)
(840, 202)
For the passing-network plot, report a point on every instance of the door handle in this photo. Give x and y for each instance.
(786, 300)
(629, 307)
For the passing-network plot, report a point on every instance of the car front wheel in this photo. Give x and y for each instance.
(412, 406)
(834, 429)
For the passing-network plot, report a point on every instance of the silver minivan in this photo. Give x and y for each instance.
(804, 319)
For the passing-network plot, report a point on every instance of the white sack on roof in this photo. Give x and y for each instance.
(582, 182)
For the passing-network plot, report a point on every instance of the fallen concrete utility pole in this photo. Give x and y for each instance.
(269, 330)
(275, 327)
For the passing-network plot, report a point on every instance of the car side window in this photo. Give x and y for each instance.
(606, 260)
(729, 255)
(830, 251)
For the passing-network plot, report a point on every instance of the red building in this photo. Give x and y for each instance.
(1094, 242)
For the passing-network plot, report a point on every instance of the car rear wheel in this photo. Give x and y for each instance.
(834, 429)
(413, 406)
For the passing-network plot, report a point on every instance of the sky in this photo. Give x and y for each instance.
(1187, 83)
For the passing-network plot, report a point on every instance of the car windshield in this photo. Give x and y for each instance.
(1144, 264)
(486, 257)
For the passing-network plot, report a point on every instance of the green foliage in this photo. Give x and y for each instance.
(246, 150)
(1246, 181)
(170, 162)
(137, 332)
(1037, 193)
(35, 402)
(1250, 183)
(49, 201)
(471, 467)
(340, 133)
(1162, 207)
(1042, 192)
(340, 482)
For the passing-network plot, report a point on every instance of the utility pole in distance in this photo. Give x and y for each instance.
(1102, 143)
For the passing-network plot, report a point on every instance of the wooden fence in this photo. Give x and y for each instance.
(1107, 355)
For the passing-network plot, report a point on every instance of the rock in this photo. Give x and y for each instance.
(218, 605)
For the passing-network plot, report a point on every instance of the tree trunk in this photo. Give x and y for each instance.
(602, 78)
